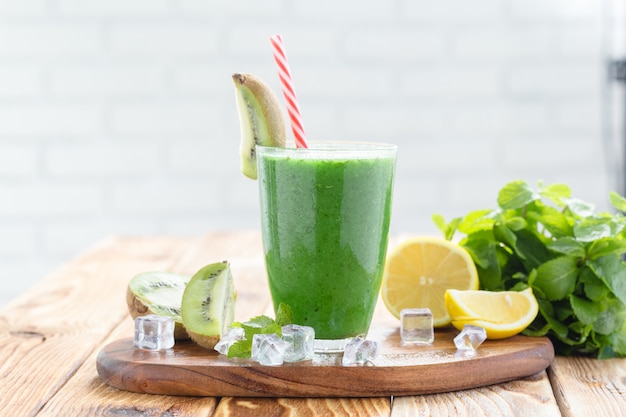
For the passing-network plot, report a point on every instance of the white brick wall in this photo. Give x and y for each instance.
(118, 116)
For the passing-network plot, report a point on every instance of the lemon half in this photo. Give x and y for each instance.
(420, 270)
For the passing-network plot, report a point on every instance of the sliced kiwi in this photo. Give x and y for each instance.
(208, 305)
(159, 293)
(260, 117)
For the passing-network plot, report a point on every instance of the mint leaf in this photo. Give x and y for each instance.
(441, 224)
(553, 220)
(610, 320)
(488, 257)
(530, 249)
(255, 325)
(618, 339)
(557, 277)
(476, 221)
(555, 324)
(580, 208)
(284, 315)
(516, 195)
(586, 311)
(556, 193)
(606, 246)
(259, 325)
(567, 246)
(592, 228)
(617, 201)
(612, 271)
(505, 235)
(240, 349)
(594, 288)
(257, 322)
(448, 229)
(516, 223)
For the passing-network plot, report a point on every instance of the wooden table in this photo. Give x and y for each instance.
(52, 334)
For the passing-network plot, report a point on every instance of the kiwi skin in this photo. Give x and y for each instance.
(137, 308)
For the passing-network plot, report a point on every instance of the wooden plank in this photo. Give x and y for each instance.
(48, 332)
(586, 387)
(49, 339)
(301, 407)
(531, 397)
(86, 394)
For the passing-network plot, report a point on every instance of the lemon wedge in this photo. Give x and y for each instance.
(502, 313)
(420, 270)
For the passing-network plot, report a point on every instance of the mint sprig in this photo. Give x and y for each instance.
(259, 325)
(571, 256)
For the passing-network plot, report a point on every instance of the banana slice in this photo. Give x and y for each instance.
(260, 117)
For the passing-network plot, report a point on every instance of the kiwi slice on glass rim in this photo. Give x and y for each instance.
(159, 293)
(260, 118)
(208, 304)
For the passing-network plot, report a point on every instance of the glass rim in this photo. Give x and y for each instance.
(332, 149)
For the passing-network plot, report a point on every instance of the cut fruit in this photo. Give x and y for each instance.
(260, 118)
(208, 306)
(159, 293)
(502, 314)
(420, 270)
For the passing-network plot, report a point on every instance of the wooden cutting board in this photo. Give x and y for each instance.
(188, 369)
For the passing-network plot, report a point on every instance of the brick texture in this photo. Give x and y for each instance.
(118, 116)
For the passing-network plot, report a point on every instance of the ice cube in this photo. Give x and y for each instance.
(154, 332)
(300, 342)
(359, 351)
(416, 326)
(268, 349)
(233, 335)
(470, 338)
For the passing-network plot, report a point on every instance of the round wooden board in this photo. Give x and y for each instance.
(188, 369)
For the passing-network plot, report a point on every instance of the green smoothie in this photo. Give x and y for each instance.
(325, 221)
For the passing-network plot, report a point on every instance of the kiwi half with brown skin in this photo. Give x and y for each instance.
(159, 293)
(208, 305)
(261, 119)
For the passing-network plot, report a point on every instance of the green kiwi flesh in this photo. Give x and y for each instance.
(208, 304)
(159, 293)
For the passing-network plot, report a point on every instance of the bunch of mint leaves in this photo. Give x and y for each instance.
(571, 257)
(259, 325)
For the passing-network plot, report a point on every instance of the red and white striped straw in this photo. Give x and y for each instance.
(288, 91)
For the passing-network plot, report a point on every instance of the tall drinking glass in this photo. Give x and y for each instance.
(325, 214)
